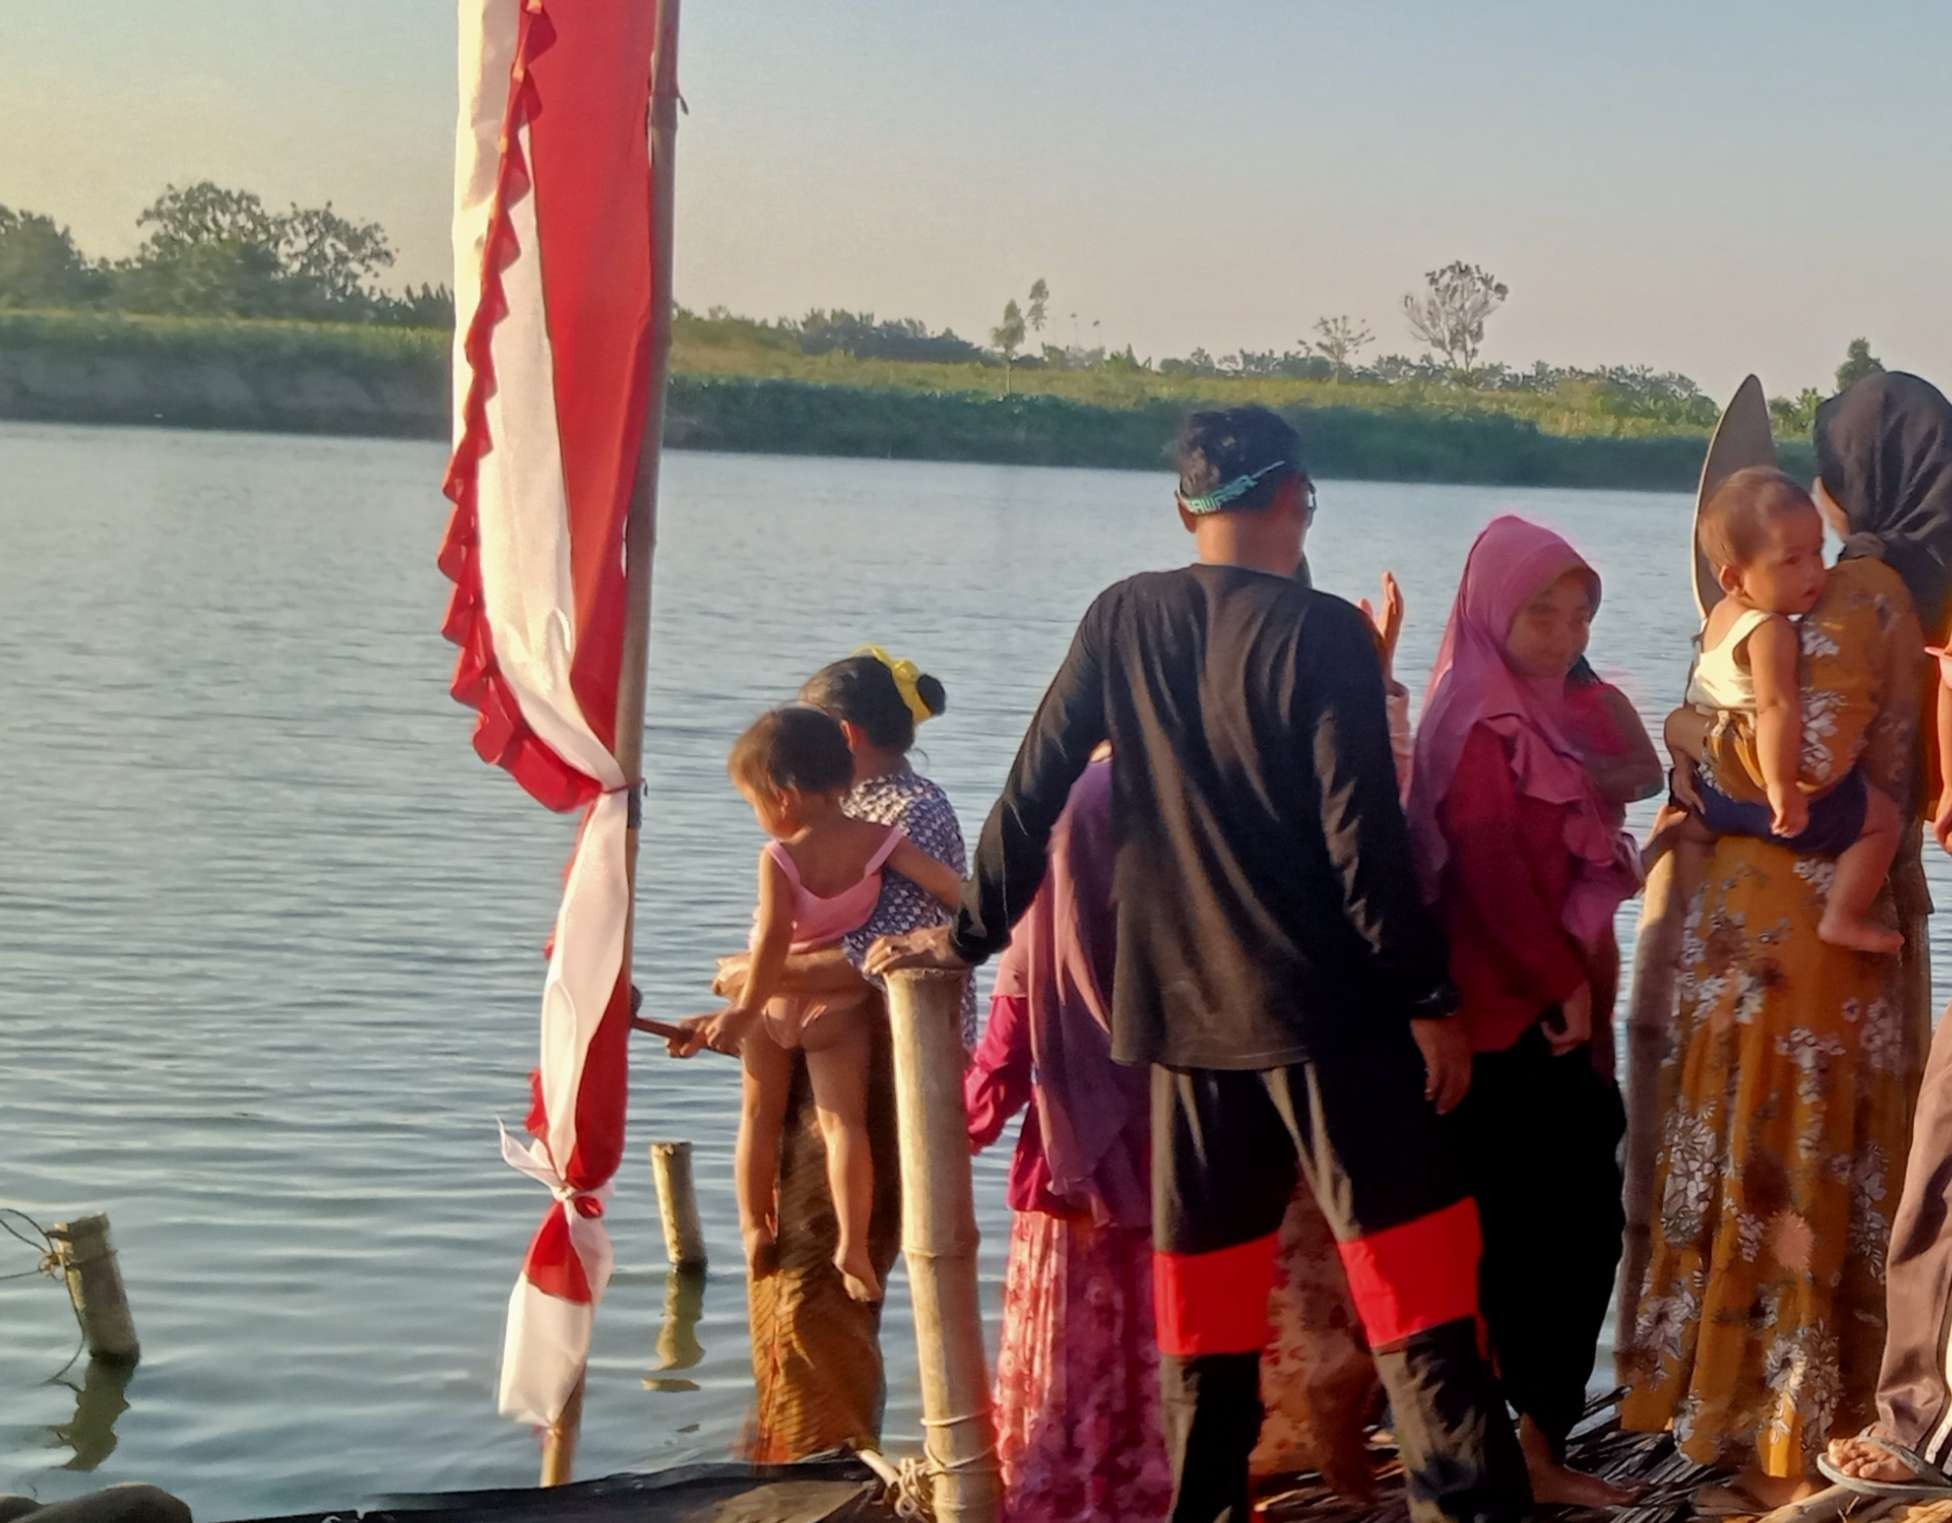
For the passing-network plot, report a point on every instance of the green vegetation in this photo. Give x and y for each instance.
(230, 313)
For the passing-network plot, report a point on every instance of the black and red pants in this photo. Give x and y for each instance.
(1227, 1146)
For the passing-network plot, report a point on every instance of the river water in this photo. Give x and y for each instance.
(270, 934)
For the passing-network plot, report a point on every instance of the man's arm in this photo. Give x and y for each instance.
(1010, 857)
(1362, 822)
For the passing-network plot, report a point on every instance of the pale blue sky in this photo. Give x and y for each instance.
(1703, 187)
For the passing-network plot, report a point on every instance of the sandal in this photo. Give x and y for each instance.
(1930, 1481)
(1726, 1499)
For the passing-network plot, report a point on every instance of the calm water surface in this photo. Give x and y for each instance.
(270, 935)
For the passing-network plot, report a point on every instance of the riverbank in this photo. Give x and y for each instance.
(393, 382)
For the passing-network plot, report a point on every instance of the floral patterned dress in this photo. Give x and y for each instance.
(1785, 1094)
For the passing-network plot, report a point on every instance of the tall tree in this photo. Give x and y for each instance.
(1450, 315)
(1858, 363)
(1040, 298)
(1008, 337)
(339, 259)
(1339, 340)
(40, 265)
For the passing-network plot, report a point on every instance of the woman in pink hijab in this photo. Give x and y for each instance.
(1527, 866)
(1078, 1424)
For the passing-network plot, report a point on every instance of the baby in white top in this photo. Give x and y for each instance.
(1765, 538)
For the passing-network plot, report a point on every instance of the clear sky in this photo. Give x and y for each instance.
(1702, 187)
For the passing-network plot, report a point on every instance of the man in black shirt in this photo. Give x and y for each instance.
(1275, 966)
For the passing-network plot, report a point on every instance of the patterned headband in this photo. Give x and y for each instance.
(1232, 491)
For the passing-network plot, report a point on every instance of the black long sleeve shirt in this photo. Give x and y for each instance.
(1267, 903)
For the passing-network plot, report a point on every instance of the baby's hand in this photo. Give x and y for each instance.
(1792, 813)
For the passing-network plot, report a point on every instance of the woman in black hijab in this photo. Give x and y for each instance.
(1884, 458)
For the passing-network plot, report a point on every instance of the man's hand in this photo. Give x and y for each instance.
(1389, 627)
(1574, 1028)
(928, 951)
(1446, 1062)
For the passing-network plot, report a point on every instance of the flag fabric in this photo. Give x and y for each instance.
(552, 365)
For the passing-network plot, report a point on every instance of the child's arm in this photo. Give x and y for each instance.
(772, 941)
(1774, 654)
(919, 867)
(1942, 825)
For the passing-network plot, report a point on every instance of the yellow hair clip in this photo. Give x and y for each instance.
(907, 676)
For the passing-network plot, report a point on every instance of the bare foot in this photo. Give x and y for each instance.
(1556, 1484)
(762, 1252)
(1858, 935)
(858, 1275)
(1865, 1461)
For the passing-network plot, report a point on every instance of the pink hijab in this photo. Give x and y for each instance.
(1472, 684)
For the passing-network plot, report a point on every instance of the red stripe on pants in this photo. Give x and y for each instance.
(1420, 1275)
(1214, 1303)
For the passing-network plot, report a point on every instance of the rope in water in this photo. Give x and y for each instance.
(49, 1263)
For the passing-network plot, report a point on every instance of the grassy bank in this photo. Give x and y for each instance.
(747, 389)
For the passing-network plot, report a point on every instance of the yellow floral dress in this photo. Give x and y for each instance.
(1785, 1095)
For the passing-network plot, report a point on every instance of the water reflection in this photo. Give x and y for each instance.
(100, 1398)
(678, 1347)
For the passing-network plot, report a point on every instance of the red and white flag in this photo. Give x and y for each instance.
(552, 365)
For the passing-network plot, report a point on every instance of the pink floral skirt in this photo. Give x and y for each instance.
(1077, 1378)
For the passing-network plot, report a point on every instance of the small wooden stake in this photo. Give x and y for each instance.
(677, 1203)
(95, 1286)
(938, 1230)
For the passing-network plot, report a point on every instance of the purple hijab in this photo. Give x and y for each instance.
(1091, 1111)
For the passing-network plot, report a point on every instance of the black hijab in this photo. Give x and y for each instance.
(1884, 451)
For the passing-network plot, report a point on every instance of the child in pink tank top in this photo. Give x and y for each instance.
(819, 878)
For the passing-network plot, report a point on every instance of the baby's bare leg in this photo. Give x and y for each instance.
(762, 1121)
(1862, 869)
(837, 1063)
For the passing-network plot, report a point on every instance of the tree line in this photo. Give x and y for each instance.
(209, 251)
(212, 251)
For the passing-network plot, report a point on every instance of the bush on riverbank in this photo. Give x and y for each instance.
(735, 389)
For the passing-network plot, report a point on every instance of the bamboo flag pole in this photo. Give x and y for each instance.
(938, 1234)
(640, 545)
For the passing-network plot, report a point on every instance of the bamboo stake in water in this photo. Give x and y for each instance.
(94, 1279)
(640, 544)
(938, 1230)
(677, 1204)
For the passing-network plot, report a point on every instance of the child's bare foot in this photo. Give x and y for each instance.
(1858, 935)
(762, 1252)
(858, 1275)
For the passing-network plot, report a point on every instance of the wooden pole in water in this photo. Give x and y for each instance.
(94, 1279)
(938, 1232)
(640, 545)
(677, 1204)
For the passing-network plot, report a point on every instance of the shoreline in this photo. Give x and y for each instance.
(307, 379)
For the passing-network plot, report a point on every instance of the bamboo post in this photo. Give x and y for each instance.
(938, 1231)
(677, 1204)
(94, 1279)
(640, 545)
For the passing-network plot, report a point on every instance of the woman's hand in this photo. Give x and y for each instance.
(925, 951)
(1686, 785)
(1942, 822)
(1791, 815)
(1389, 627)
(1446, 1062)
(1574, 1028)
(730, 981)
